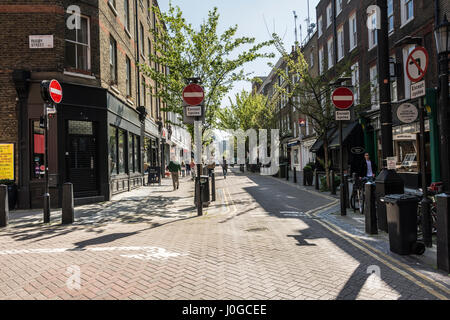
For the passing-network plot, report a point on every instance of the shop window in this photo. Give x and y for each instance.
(38, 149)
(113, 149)
(130, 153)
(121, 151)
(137, 154)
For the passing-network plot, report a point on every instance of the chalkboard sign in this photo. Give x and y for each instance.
(154, 174)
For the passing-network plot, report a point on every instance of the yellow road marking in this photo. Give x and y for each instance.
(342, 233)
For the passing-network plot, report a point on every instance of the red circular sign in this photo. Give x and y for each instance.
(342, 98)
(55, 91)
(193, 94)
(42, 167)
(417, 64)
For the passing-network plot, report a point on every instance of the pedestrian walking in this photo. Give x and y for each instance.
(188, 169)
(224, 167)
(368, 168)
(174, 169)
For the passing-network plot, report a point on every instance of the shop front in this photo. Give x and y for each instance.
(294, 145)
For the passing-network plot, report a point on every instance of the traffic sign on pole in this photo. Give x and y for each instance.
(193, 94)
(417, 64)
(342, 98)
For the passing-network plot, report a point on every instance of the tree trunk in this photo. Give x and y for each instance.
(327, 169)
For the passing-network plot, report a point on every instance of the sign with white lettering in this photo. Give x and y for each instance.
(418, 89)
(41, 41)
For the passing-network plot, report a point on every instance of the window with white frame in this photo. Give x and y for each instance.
(311, 59)
(319, 26)
(338, 7)
(407, 10)
(373, 40)
(374, 92)
(329, 15)
(355, 81)
(78, 51)
(406, 51)
(113, 60)
(128, 76)
(330, 48)
(390, 11)
(142, 40)
(352, 31)
(340, 43)
(321, 62)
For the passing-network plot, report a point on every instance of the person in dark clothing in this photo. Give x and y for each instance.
(224, 168)
(368, 167)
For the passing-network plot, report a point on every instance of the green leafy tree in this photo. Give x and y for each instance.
(181, 52)
(314, 92)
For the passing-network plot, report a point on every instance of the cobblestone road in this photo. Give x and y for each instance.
(261, 239)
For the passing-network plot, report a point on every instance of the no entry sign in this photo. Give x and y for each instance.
(55, 91)
(417, 64)
(342, 98)
(193, 94)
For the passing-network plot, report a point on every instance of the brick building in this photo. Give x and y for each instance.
(109, 127)
(343, 34)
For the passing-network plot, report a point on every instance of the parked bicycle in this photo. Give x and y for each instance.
(358, 197)
(433, 211)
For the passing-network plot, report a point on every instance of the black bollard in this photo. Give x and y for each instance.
(213, 186)
(304, 178)
(295, 175)
(316, 180)
(346, 188)
(4, 206)
(287, 172)
(370, 211)
(333, 184)
(67, 204)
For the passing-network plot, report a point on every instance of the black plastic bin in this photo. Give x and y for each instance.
(204, 181)
(401, 212)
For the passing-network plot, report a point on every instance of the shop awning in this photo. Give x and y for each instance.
(319, 142)
(347, 131)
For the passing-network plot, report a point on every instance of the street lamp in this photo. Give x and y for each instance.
(441, 34)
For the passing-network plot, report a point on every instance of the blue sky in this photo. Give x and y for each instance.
(251, 16)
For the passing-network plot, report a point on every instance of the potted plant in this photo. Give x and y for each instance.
(308, 175)
(12, 193)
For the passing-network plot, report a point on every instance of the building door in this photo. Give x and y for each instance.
(82, 156)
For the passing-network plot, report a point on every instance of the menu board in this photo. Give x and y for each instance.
(6, 161)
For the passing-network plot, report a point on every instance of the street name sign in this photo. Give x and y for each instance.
(342, 98)
(343, 115)
(418, 89)
(40, 41)
(417, 64)
(407, 113)
(193, 94)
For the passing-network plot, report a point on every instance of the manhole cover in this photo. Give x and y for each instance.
(256, 229)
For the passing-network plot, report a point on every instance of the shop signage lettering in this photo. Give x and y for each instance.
(6, 161)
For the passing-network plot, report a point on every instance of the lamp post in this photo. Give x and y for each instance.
(441, 34)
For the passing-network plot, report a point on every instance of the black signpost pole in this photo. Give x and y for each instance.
(47, 193)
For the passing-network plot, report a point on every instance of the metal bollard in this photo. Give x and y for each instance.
(316, 180)
(443, 232)
(4, 206)
(67, 204)
(295, 175)
(287, 172)
(346, 188)
(213, 186)
(304, 178)
(370, 212)
(333, 184)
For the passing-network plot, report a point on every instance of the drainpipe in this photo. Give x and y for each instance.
(138, 84)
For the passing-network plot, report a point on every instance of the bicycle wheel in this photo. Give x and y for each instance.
(361, 202)
(353, 202)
